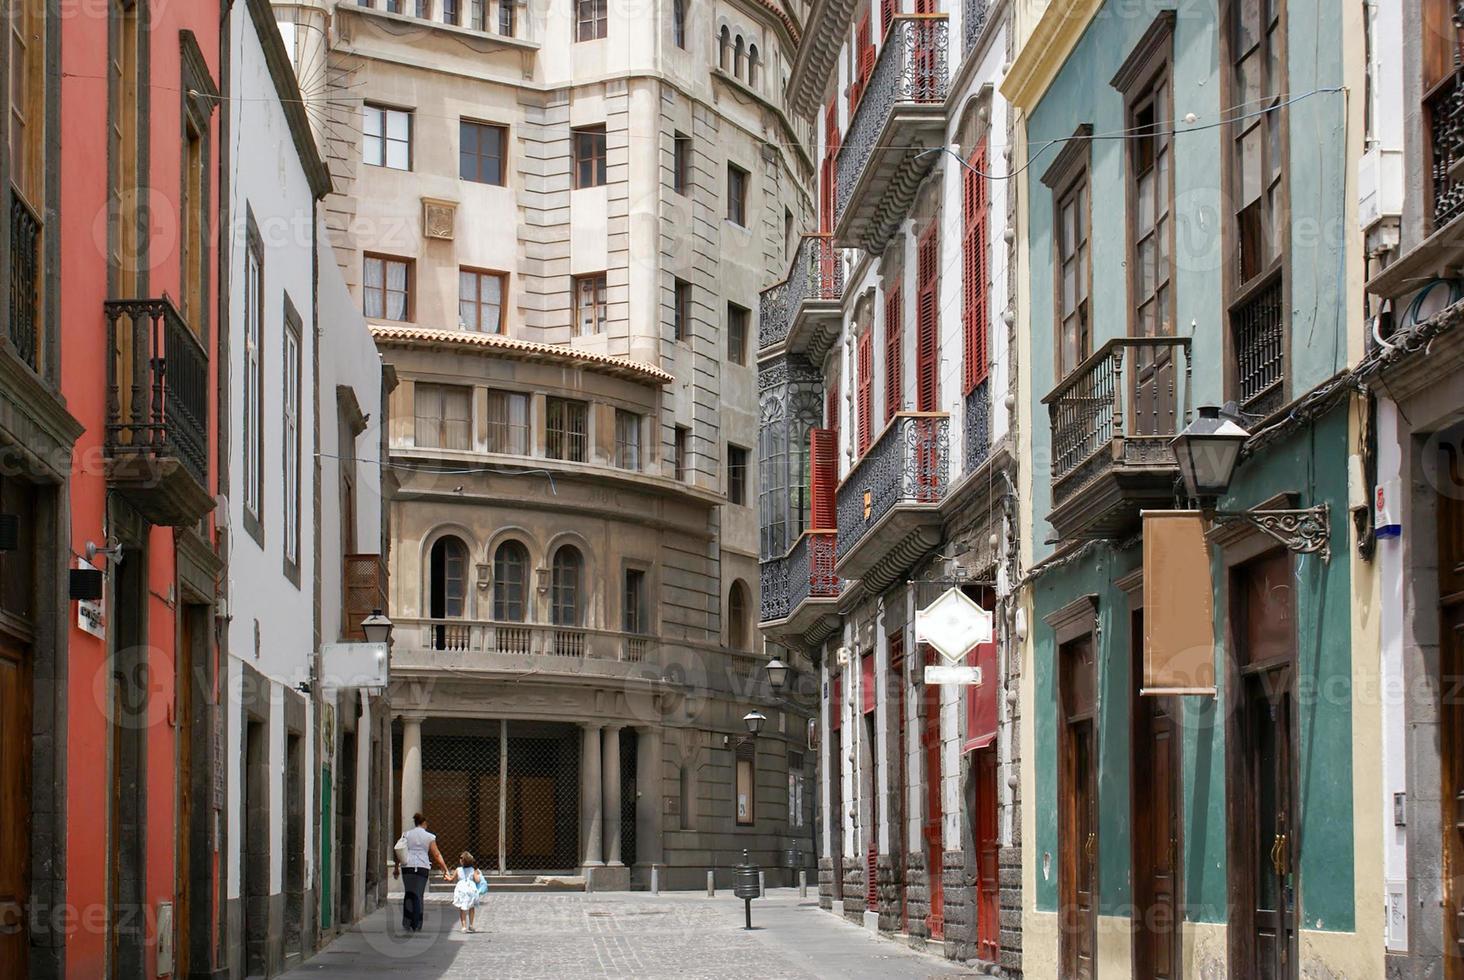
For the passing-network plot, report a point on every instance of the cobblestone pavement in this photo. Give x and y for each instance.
(573, 935)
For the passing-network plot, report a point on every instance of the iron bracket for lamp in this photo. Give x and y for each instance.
(1303, 530)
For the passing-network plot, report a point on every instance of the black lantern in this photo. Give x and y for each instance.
(777, 675)
(754, 720)
(376, 627)
(1207, 452)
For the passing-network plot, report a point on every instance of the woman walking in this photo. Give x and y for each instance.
(469, 889)
(415, 852)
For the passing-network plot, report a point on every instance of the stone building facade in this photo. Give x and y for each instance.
(557, 222)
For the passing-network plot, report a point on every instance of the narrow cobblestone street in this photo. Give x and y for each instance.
(564, 936)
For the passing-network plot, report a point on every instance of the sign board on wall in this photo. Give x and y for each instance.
(91, 616)
(1179, 614)
(953, 624)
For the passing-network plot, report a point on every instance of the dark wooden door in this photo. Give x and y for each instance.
(988, 856)
(1156, 824)
(1269, 721)
(15, 816)
(1451, 720)
(934, 851)
(1078, 813)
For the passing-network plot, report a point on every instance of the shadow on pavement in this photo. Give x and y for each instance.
(378, 945)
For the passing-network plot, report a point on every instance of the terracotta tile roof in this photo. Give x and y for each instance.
(490, 343)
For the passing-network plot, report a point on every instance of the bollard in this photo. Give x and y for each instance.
(762, 884)
(803, 884)
(655, 880)
(711, 884)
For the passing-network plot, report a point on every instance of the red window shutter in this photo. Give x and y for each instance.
(831, 410)
(887, 11)
(981, 713)
(866, 681)
(863, 61)
(823, 469)
(974, 296)
(866, 388)
(927, 322)
(894, 348)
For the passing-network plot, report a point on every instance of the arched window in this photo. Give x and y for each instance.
(737, 625)
(724, 50)
(448, 590)
(739, 56)
(752, 65)
(510, 582)
(566, 608)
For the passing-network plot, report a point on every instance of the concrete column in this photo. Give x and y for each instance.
(411, 770)
(612, 795)
(592, 817)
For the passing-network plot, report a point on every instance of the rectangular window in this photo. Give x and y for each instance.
(194, 208)
(507, 17)
(253, 373)
(627, 440)
(681, 318)
(736, 475)
(480, 300)
(634, 608)
(678, 453)
(506, 423)
(566, 429)
(423, 7)
(588, 147)
(477, 16)
(678, 23)
(589, 305)
(736, 195)
(1074, 340)
(386, 288)
(681, 163)
(480, 152)
(386, 137)
(894, 350)
(1150, 194)
(450, 11)
(737, 319)
(1257, 45)
(974, 273)
(442, 416)
(591, 19)
(746, 786)
(291, 438)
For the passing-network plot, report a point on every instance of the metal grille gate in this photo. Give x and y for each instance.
(507, 791)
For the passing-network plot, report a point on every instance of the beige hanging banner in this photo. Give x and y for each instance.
(1179, 609)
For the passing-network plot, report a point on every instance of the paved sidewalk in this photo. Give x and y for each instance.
(673, 935)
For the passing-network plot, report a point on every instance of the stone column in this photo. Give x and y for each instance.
(612, 795)
(411, 770)
(591, 814)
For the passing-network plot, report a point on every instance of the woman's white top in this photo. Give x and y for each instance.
(419, 843)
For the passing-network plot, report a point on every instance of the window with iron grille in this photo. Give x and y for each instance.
(736, 195)
(587, 143)
(566, 428)
(480, 300)
(627, 440)
(633, 608)
(681, 163)
(510, 582)
(386, 137)
(506, 422)
(386, 288)
(589, 305)
(443, 419)
(738, 318)
(736, 475)
(591, 19)
(480, 152)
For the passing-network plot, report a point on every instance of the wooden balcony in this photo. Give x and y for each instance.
(802, 313)
(889, 504)
(800, 590)
(896, 134)
(158, 385)
(363, 579)
(1112, 420)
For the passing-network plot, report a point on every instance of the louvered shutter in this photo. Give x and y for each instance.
(863, 61)
(974, 287)
(894, 350)
(927, 323)
(823, 465)
(887, 11)
(831, 408)
(866, 388)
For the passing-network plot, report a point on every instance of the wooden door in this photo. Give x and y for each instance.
(1269, 723)
(1078, 813)
(988, 856)
(1157, 830)
(1451, 720)
(934, 851)
(15, 812)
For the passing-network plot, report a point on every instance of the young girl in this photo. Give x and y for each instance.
(465, 895)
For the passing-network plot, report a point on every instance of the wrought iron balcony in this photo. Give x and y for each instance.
(895, 134)
(1112, 420)
(973, 22)
(25, 293)
(1444, 114)
(800, 588)
(802, 311)
(896, 488)
(490, 644)
(363, 580)
(157, 411)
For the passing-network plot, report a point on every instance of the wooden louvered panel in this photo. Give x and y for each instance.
(823, 467)
(894, 351)
(927, 323)
(975, 273)
(865, 390)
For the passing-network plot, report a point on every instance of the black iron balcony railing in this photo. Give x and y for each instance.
(908, 464)
(816, 273)
(1121, 405)
(774, 592)
(157, 384)
(25, 264)
(973, 21)
(1443, 107)
(805, 572)
(911, 68)
(1259, 339)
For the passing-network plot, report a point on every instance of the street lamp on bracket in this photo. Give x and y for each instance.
(1208, 451)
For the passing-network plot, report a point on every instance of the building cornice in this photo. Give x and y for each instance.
(292, 103)
(1052, 40)
(497, 345)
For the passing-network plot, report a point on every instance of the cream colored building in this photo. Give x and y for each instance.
(557, 218)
